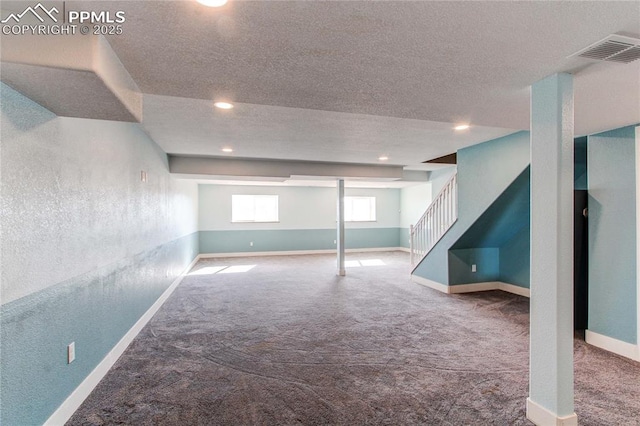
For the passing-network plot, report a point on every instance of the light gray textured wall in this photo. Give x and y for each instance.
(414, 201)
(299, 207)
(72, 199)
(87, 247)
(439, 178)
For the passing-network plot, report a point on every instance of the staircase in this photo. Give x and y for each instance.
(435, 222)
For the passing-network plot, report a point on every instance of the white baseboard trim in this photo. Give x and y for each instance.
(297, 252)
(628, 350)
(431, 284)
(510, 288)
(77, 397)
(543, 417)
(472, 288)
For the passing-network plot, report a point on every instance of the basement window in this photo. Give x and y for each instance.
(254, 208)
(360, 209)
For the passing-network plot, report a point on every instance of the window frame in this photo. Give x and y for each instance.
(373, 208)
(254, 198)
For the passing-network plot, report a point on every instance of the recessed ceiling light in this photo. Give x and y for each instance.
(227, 150)
(223, 105)
(461, 127)
(212, 3)
(383, 158)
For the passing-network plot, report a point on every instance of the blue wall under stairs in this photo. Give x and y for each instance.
(485, 171)
(492, 231)
(498, 241)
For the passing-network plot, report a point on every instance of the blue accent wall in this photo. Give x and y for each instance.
(497, 239)
(295, 239)
(612, 234)
(504, 225)
(515, 259)
(506, 216)
(95, 310)
(487, 261)
(485, 171)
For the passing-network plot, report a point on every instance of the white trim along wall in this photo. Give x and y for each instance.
(297, 252)
(471, 288)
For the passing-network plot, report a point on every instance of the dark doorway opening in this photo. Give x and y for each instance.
(580, 260)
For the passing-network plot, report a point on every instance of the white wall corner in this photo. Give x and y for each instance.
(77, 397)
(543, 417)
(628, 350)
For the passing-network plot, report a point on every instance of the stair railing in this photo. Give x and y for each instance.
(435, 222)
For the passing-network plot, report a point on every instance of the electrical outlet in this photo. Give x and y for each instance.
(474, 268)
(335, 242)
(71, 352)
(143, 176)
(251, 244)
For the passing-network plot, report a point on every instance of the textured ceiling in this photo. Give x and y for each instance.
(438, 61)
(348, 81)
(262, 131)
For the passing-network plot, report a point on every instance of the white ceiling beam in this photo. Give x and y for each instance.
(242, 167)
(71, 75)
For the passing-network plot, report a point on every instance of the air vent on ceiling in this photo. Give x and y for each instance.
(614, 48)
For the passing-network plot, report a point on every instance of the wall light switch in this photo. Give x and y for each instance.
(474, 268)
(71, 352)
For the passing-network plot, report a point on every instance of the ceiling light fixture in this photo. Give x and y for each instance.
(383, 158)
(223, 105)
(212, 3)
(227, 150)
(461, 127)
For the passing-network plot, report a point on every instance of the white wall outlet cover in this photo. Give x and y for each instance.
(251, 243)
(474, 268)
(71, 352)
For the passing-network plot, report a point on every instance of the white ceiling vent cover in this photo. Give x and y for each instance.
(614, 48)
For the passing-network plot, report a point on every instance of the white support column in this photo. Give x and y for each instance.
(550, 399)
(340, 223)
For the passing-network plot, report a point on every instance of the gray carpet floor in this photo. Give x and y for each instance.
(288, 342)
